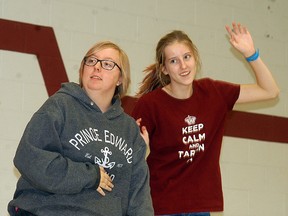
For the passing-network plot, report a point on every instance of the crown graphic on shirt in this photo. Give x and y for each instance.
(190, 120)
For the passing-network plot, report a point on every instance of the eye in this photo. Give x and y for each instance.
(91, 61)
(173, 61)
(108, 64)
(187, 56)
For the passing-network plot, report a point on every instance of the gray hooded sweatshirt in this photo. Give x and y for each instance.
(59, 156)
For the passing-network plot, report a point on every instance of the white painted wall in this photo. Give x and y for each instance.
(255, 173)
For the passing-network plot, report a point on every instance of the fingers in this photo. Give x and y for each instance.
(99, 189)
(236, 29)
(138, 121)
(228, 30)
(143, 129)
(237, 33)
(144, 132)
(145, 135)
(105, 182)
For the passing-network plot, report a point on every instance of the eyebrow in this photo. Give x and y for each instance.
(182, 55)
(108, 59)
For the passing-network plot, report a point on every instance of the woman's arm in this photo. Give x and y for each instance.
(40, 161)
(265, 86)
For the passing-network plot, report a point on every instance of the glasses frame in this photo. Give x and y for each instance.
(101, 60)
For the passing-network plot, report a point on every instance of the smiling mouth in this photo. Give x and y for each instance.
(185, 73)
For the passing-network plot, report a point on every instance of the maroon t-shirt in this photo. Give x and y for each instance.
(185, 143)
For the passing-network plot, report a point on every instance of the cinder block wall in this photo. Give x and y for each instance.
(255, 173)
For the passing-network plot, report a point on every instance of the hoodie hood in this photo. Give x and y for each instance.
(75, 91)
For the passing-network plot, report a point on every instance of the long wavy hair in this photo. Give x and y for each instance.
(154, 77)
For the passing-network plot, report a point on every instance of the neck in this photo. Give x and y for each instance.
(103, 101)
(179, 92)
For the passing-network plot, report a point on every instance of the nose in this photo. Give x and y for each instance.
(183, 63)
(97, 66)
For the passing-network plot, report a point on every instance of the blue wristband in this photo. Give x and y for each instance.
(253, 57)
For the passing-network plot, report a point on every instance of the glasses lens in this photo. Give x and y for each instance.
(108, 65)
(90, 61)
(105, 64)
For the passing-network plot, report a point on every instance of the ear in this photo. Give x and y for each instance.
(163, 70)
(119, 82)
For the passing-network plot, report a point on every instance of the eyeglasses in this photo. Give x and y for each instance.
(105, 64)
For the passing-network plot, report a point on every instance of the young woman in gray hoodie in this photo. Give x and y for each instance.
(80, 154)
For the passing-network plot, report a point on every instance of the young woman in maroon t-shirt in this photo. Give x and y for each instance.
(185, 117)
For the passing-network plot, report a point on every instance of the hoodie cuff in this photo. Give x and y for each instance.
(97, 182)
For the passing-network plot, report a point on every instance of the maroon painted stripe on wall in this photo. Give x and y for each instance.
(37, 40)
(257, 126)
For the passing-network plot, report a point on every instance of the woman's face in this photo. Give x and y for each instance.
(179, 64)
(96, 78)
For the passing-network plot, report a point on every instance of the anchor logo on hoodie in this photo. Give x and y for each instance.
(105, 162)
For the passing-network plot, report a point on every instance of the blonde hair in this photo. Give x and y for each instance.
(154, 77)
(124, 64)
